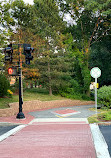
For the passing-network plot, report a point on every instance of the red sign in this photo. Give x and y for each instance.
(10, 71)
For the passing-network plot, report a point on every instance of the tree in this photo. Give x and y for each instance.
(48, 25)
(6, 22)
(4, 85)
(92, 19)
(1, 60)
(80, 71)
(42, 25)
(60, 71)
(100, 56)
(32, 75)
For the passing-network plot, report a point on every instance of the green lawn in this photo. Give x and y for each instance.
(104, 115)
(5, 101)
(30, 94)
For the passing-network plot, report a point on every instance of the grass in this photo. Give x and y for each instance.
(105, 115)
(30, 94)
(93, 119)
(40, 94)
(5, 101)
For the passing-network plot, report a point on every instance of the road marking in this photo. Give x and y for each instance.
(99, 142)
(59, 116)
(58, 120)
(11, 132)
(65, 113)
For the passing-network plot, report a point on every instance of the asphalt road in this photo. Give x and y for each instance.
(83, 112)
(5, 128)
(106, 131)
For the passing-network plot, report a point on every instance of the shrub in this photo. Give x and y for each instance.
(9, 93)
(104, 96)
(4, 85)
(15, 88)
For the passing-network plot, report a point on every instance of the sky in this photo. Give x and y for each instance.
(28, 1)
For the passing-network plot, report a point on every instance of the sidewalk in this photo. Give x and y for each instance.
(61, 135)
(50, 138)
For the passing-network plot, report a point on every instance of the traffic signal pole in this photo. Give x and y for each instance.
(20, 115)
(12, 71)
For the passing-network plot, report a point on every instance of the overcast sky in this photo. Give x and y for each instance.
(28, 1)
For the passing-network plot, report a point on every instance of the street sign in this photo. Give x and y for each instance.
(95, 72)
(93, 85)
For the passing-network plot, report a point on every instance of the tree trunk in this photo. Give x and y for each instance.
(50, 88)
(88, 93)
(31, 85)
(35, 84)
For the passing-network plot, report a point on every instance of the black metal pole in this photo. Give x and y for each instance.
(20, 115)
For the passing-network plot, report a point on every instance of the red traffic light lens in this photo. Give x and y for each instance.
(10, 71)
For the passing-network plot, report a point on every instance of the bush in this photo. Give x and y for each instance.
(4, 85)
(15, 87)
(104, 96)
(9, 93)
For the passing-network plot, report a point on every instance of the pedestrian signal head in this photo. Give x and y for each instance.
(12, 71)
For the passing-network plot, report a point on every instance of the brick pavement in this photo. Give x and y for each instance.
(55, 140)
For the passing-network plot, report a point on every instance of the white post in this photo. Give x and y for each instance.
(96, 95)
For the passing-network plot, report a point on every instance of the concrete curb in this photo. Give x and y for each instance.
(45, 120)
(11, 132)
(101, 146)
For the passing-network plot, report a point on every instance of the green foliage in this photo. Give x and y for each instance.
(9, 93)
(93, 119)
(104, 96)
(6, 21)
(82, 73)
(75, 85)
(103, 6)
(1, 60)
(62, 60)
(30, 94)
(38, 90)
(105, 116)
(15, 87)
(54, 71)
(22, 13)
(100, 56)
(71, 96)
(47, 18)
(4, 85)
(86, 78)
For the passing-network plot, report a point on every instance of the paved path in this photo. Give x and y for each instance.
(54, 133)
(55, 139)
(77, 112)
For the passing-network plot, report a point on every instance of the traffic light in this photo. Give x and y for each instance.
(12, 71)
(28, 50)
(8, 53)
